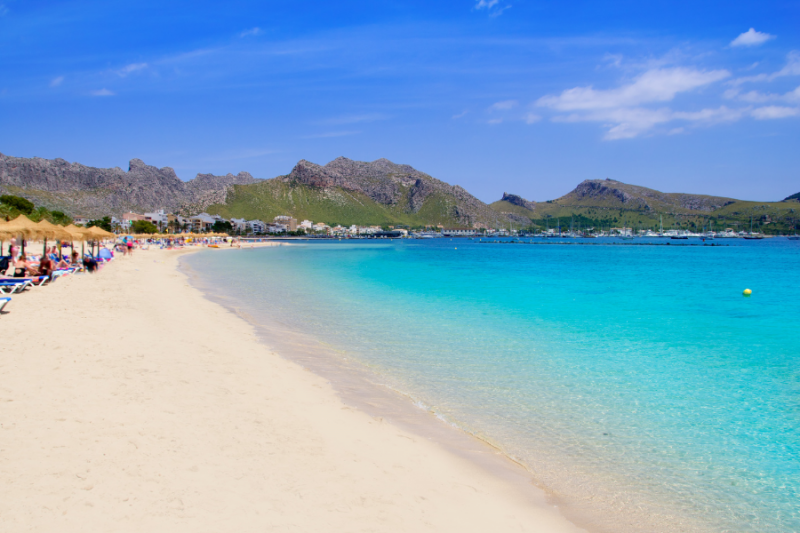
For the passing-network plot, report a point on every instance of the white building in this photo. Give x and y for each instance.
(202, 222)
(239, 224)
(256, 226)
(159, 218)
(458, 232)
(306, 224)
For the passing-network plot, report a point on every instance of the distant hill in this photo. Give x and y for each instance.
(80, 190)
(794, 197)
(602, 203)
(356, 192)
(515, 207)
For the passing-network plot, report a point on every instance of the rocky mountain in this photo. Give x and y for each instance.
(606, 203)
(80, 190)
(399, 187)
(607, 193)
(513, 199)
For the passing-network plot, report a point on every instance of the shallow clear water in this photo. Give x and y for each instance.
(635, 382)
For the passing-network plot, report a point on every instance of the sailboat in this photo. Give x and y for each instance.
(753, 236)
(794, 237)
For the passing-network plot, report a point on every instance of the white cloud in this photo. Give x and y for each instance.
(772, 112)
(3, 9)
(493, 7)
(505, 105)
(530, 118)
(655, 85)
(251, 32)
(792, 68)
(55, 82)
(495, 121)
(757, 97)
(751, 38)
(102, 92)
(130, 69)
(627, 123)
(460, 115)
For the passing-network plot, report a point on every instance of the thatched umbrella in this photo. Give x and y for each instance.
(51, 231)
(78, 234)
(95, 234)
(25, 227)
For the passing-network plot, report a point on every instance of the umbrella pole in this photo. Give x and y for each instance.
(23, 246)
(44, 247)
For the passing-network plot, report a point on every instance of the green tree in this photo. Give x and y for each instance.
(143, 226)
(222, 226)
(103, 223)
(22, 205)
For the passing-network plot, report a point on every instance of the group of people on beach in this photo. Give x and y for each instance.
(20, 265)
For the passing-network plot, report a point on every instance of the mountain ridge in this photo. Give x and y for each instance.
(82, 190)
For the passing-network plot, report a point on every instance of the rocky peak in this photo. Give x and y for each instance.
(518, 200)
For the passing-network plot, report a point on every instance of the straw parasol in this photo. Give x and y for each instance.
(53, 232)
(95, 233)
(25, 227)
(76, 233)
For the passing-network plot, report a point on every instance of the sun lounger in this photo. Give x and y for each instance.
(3, 302)
(12, 285)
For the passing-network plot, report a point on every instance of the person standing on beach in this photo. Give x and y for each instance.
(129, 245)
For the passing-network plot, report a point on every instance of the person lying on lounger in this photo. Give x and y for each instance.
(22, 268)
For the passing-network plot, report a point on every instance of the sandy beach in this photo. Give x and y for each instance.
(129, 402)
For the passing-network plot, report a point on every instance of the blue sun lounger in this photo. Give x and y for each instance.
(3, 302)
(9, 286)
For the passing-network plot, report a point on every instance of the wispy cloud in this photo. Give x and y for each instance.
(757, 97)
(505, 105)
(3, 9)
(460, 115)
(102, 92)
(627, 123)
(656, 85)
(531, 118)
(130, 69)
(354, 119)
(55, 82)
(330, 134)
(751, 38)
(252, 32)
(623, 110)
(494, 7)
(773, 112)
(792, 68)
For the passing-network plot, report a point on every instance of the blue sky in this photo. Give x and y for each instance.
(494, 95)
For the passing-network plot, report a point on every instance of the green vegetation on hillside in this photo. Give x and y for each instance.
(768, 217)
(13, 206)
(268, 199)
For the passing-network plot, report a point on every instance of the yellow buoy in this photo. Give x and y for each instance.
(747, 292)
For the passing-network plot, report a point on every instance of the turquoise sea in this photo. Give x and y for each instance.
(636, 383)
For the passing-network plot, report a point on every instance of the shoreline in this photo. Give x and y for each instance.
(131, 401)
(357, 386)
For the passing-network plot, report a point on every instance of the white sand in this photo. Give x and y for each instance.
(129, 402)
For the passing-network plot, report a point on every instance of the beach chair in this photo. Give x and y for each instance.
(3, 302)
(12, 285)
